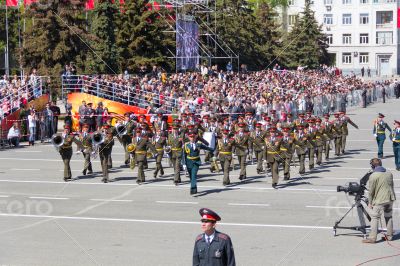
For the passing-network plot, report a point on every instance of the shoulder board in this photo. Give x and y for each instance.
(199, 237)
(223, 236)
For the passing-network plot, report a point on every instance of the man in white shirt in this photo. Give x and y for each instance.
(14, 134)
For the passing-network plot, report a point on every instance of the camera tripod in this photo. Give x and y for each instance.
(361, 212)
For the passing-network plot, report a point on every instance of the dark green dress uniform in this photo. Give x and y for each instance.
(396, 145)
(337, 134)
(301, 144)
(286, 153)
(224, 152)
(127, 138)
(175, 140)
(345, 130)
(193, 162)
(105, 149)
(142, 145)
(159, 142)
(328, 135)
(272, 149)
(319, 142)
(311, 151)
(380, 134)
(113, 131)
(241, 148)
(66, 153)
(87, 146)
(257, 145)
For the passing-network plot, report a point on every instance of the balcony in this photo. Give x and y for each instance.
(385, 25)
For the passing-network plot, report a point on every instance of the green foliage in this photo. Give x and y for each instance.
(140, 37)
(305, 44)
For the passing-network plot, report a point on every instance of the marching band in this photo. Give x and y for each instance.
(270, 143)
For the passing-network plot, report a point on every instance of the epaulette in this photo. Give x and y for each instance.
(199, 237)
(223, 236)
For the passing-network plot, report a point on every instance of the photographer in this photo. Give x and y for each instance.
(381, 198)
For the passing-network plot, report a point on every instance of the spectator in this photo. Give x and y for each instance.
(14, 135)
(32, 119)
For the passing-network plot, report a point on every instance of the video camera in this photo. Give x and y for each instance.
(354, 188)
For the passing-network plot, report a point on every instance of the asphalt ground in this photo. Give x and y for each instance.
(46, 221)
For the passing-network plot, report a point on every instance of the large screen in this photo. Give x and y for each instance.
(187, 48)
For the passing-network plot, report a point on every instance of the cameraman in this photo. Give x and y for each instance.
(381, 198)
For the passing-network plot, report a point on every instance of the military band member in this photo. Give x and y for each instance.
(66, 152)
(380, 127)
(192, 158)
(337, 134)
(142, 144)
(86, 140)
(286, 152)
(241, 148)
(161, 122)
(175, 141)
(159, 141)
(321, 138)
(105, 149)
(257, 145)
(396, 143)
(108, 127)
(212, 247)
(272, 149)
(327, 125)
(345, 131)
(126, 139)
(311, 132)
(224, 152)
(301, 120)
(301, 144)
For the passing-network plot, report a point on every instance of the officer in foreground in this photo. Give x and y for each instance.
(212, 247)
(380, 200)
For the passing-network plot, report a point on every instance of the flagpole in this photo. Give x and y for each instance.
(7, 63)
(19, 44)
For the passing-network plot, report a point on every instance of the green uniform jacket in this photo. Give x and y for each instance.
(86, 142)
(345, 129)
(224, 150)
(193, 154)
(272, 148)
(257, 142)
(242, 144)
(67, 146)
(176, 144)
(286, 148)
(301, 142)
(141, 148)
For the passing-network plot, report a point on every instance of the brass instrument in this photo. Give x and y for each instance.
(57, 140)
(167, 149)
(121, 130)
(131, 148)
(149, 155)
(98, 138)
(215, 163)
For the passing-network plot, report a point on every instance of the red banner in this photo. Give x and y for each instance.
(89, 5)
(11, 2)
(398, 18)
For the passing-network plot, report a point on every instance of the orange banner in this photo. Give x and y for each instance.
(114, 108)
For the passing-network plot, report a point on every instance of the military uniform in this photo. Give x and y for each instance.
(86, 140)
(257, 146)
(328, 136)
(337, 134)
(286, 153)
(224, 152)
(193, 162)
(319, 141)
(272, 149)
(311, 151)
(345, 131)
(241, 148)
(140, 155)
(212, 248)
(105, 149)
(127, 138)
(175, 141)
(159, 142)
(396, 144)
(110, 129)
(301, 144)
(66, 152)
(379, 133)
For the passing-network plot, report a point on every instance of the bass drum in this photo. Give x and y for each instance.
(210, 138)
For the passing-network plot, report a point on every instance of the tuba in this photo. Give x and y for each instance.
(121, 130)
(57, 140)
(131, 148)
(98, 138)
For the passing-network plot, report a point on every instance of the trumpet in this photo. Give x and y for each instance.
(131, 148)
(57, 140)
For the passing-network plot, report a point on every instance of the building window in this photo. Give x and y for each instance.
(364, 19)
(364, 38)
(346, 20)
(346, 58)
(291, 2)
(364, 1)
(328, 19)
(384, 17)
(329, 38)
(328, 2)
(346, 38)
(364, 58)
(384, 37)
(292, 19)
(346, 2)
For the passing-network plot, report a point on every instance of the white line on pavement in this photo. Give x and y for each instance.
(4, 196)
(176, 202)
(24, 169)
(50, 198)
(27, 151)
(336, 207)
(162, 221)
(108, 200)
(248, 204)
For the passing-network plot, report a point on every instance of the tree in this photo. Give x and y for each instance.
(103, 57)
(140, 36)
(54, 37)
(306, 45)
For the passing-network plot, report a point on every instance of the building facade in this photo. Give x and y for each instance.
(361, 33)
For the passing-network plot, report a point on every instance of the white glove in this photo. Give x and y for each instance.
(394, 139)
(78, 152)
(375, 135)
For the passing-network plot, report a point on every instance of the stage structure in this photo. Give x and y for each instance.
(195, 27)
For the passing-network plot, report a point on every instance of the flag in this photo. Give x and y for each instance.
(89, 5)
(398, 18)
(11, 2)
(29, 2)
